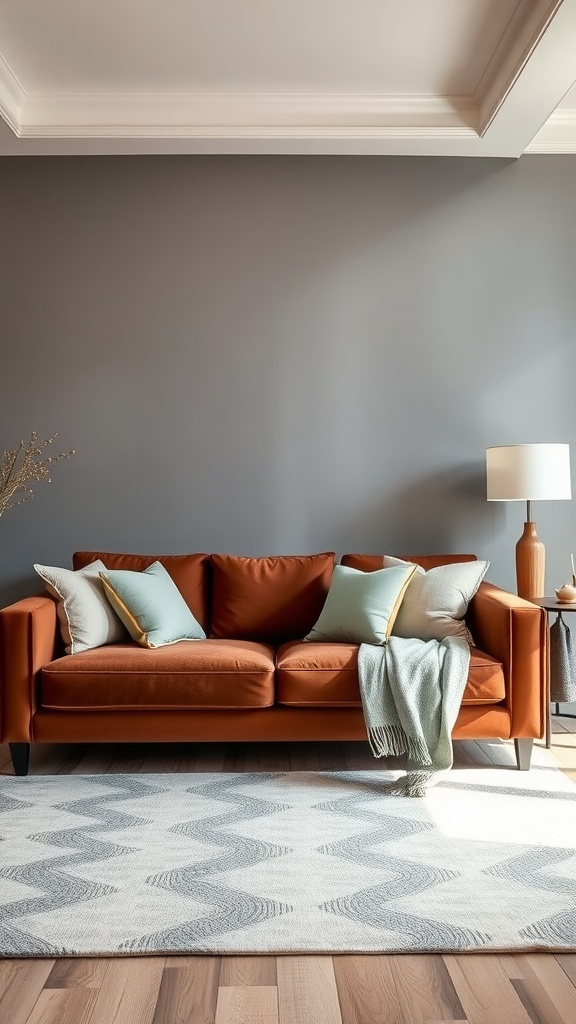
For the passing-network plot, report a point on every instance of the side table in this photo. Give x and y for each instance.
(551, 604)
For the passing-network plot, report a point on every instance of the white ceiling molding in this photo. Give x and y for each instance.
(511, 109)
(517, 44)
(12, 97)
(539, 81)
(558, 134)
(230, 115)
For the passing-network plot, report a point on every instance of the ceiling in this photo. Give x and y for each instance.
(414, 77)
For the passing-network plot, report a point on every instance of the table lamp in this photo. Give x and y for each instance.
(528, 472)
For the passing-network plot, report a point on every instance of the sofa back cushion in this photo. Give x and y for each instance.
(189, 573)
(276, 598)
(369, 563)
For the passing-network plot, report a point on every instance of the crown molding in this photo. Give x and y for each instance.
(541, 75)
(531, 68)
(558, 135)
(514, 50)
(247, 115)
(12, 96)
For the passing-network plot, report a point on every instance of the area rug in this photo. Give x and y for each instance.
(286, 862)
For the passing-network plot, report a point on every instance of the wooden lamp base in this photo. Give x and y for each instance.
(530, 564)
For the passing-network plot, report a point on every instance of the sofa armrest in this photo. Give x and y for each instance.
(515, 632)
(29, 639)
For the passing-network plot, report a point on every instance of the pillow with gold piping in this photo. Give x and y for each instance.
(151, 606)
(361, 607)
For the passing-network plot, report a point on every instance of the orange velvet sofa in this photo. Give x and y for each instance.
(253, 678)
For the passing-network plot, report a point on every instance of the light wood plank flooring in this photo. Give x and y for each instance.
(409, 989)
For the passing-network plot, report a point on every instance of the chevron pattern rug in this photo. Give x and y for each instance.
(286, 862)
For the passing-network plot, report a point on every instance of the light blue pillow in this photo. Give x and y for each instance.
(151, 606)
(360, 607)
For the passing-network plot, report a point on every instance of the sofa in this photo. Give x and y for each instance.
(254, 678)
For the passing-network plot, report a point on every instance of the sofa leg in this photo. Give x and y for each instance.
(20, 754)
(523, 754)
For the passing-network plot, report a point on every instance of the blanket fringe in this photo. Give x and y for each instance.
(417, 783)
(411, 784)
(391, 741)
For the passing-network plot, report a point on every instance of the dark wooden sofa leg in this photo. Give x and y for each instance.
(523, 754)
(20, 754)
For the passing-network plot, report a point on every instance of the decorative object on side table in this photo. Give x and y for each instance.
(529, 472)
(24, 464)
(561, 669)
(566, 594)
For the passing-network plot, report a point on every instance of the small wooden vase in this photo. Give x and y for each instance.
(530, 563)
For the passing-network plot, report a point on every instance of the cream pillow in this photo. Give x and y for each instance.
(86, 617)
(436, 601)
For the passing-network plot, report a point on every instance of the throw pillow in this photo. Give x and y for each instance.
(436, 601)
(151, 606)
(85, 616)
(190, 573)
(360, 607)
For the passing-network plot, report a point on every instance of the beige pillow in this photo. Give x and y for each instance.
(86, 617)
(436, 601)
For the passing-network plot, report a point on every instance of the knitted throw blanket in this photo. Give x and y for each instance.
(411, 694)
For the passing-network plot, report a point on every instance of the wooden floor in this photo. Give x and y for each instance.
(474, 988)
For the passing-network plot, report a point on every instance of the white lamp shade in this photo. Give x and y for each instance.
(528, 472)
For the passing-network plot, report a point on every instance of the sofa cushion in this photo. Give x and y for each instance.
(368, 563)
(272, 599)
(437, 599)
(189, 572)
(321, 674)
(150, 606)
(326, 675)
(361, 606)
(84, 613)
(485, 679)
(214, 674)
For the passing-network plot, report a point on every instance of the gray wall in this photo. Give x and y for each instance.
(265, 354)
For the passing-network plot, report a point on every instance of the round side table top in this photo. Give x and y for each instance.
(553, 604)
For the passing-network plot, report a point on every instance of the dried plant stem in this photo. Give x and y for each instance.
(22, 465)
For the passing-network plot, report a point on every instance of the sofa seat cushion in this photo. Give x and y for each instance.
(326, 675)
(485, 679)
(207, 674)
(321, 674)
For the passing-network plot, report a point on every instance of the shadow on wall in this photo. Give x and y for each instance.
(14, 590)
(434, 515)
(442, 513)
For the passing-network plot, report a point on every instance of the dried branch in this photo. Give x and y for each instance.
(25, 463)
